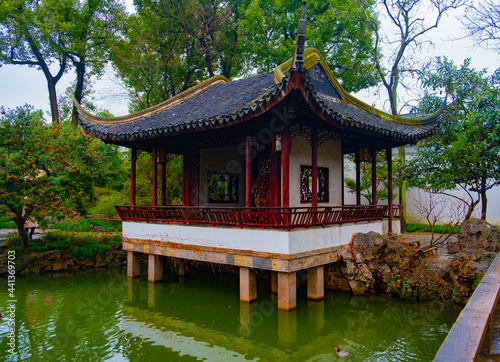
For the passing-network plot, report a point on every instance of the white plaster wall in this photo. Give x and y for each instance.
(415, 197)
(222, 159)
(330, 156)
(396, 227)
(262, 240)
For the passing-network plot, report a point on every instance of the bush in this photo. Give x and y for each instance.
(425, 228)
(7, 223)
(89, 250)
(80, 245)
(86, 225)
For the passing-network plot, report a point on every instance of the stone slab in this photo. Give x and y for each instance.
(249, 259)
(466, 337)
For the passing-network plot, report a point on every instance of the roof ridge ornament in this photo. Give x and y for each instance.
(298, 58)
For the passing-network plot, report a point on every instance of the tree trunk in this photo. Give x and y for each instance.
(22, 232)
(484, 200)
(54, 110)
(484, 205)
(80, 76)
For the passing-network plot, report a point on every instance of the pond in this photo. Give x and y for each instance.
(100, 315)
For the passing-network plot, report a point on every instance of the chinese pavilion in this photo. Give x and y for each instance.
(262, 173)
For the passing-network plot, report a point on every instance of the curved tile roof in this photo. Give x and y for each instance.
(218, 102)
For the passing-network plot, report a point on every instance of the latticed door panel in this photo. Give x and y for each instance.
(264, 195)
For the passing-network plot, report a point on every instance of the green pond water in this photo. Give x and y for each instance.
(103, 316)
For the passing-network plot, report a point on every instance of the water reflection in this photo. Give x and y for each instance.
(102, 315)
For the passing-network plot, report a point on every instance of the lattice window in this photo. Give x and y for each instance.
(300, 130)
(263, 197)
(222, 187)
(324, 136)
(306, 184)
(195, 169)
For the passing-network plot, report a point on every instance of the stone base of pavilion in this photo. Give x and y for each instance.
(283, 252)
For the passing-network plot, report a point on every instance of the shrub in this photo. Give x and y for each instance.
(440, 229)
(80, 245)
(86, 225)
(7, 223)
(89, 250)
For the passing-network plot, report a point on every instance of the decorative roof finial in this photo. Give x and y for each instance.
(298, 58)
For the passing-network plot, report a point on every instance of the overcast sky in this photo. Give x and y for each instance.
(21, 84)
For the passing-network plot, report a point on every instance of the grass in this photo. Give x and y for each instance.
(87, 225)
(419, 228)
(70, 224)
(80, 245)
(7, 223)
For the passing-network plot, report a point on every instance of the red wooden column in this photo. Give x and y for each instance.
(275, 178)
(248, 171)
(388, 153)
(374, 176)
(155, 176)
(286, 166)
(186, 176)
(314, 167)
(286, 175)
(358, 177)
(133, 161)
(163, 177)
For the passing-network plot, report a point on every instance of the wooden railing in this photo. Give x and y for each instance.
(256, 217)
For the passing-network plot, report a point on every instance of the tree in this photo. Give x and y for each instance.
(26, 39)
(408, 28)
(68, 33)
(483, 22)
(94, 25)
(466, 153)
(144, 184)
(268, 31)
(366, 179)
(170, 46)
(46, 171)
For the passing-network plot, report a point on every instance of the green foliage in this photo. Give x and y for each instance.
(67, 33)
(171, 45)
(145, 179)
(46, 171)
(466, 153)
(366, 179)
(7, 223)
(337, 28)
(107, 198)
(426, 228)
(87, 225)
(89, 250)
(80, 245)
(477, 280)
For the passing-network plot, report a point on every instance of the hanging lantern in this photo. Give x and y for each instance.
(277, 143)
(363, 155)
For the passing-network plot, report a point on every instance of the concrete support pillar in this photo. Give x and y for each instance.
(274, 282)
(287, 291)
(133, 264)
(248, 284)
(155, 268)
(182, 268)
(316, 283)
